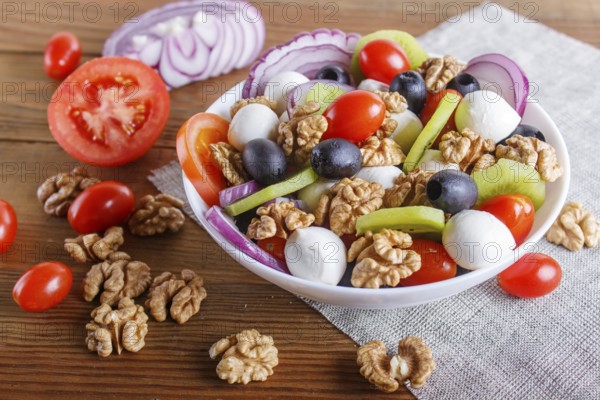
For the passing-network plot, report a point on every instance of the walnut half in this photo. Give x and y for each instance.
(122, 328)
(92, 247)
(156, 214)
(246, 356)
(185, 295)
(413, 363)
(383, 258)
(574, 227)
(119, 279)
(58, 192)
(278, 220)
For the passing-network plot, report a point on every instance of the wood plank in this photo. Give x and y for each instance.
(44, 355)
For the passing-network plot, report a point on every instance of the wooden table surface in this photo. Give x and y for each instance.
(43, 355)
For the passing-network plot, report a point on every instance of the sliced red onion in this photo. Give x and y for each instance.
(223, 224)
(305, 53)
(502, 75)
(298, 94)
(192, 40)
(233, 193)
(299, 204)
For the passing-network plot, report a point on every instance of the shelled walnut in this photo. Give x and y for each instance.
(382, 258)
(92, 247)
(156, 214)
(378, 152)
(117, 279)
(58, 192)
(348, 199)
(298, 136)
(278, 220)
(408, 190)
(246, 356)
(413, 363)
(574, 228)
(264, 100)
(394, 104)
(229, 161)
(438, 71)
(465, 148)
(122, 328)
(185, 295)
(533, 152)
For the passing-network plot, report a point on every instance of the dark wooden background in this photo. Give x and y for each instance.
(43, 356)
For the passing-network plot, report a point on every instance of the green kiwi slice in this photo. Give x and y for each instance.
(323, 94)
(412, 219)
(510, 177)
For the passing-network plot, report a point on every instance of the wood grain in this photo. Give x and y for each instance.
(43, 355)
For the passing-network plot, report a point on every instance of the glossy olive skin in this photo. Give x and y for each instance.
(411, 86)
(464, 84)
(336, 158)
(265, 161)
(334, 73)
(525, 131)
(452, 191)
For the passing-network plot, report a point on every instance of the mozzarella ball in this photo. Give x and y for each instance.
(383, 175)
(254, 121)
(316, 254)
(476, 239)
(280, 85)
(372, 85)
(433, 160)
(487, 114)
(312, 193)
(408, 129)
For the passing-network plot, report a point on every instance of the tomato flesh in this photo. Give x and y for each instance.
(110, 111)
(354, 116)
(436, 264)
(516, 211)
(101, 206)
(193, 140)
(8, 225)
(43, 286)
(382, 60)
(534, 275)
(275, 246)
(62, 54)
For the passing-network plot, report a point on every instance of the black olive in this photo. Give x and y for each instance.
(411, 86)
(336, 158)
(334, 73)
(265, 161)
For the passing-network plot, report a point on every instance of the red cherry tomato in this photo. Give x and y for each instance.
(8, 226)
(101, 206)
(110, 111)
(515, 211)
(354, 116)
(436, 264)
(62, 55)
(534, 275)
(193, 139)
(431, 104)
(382, 60)
(43, 286)
(275, 246)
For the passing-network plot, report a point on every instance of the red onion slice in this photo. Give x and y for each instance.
(305, 53)
(223, 224)
(502, 75)
(233, 193)
(192, 40)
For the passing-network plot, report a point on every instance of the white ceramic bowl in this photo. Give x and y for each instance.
(556, 193)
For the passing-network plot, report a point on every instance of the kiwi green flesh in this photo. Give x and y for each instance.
(412, 219)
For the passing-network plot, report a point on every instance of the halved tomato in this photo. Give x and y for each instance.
(110, 111)
(193, 139)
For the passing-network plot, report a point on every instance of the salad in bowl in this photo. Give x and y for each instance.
(362, 171)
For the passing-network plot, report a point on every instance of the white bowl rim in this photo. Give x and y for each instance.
(388, 294)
